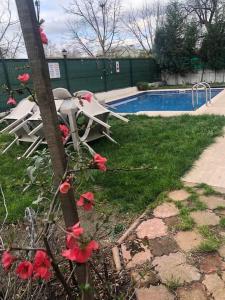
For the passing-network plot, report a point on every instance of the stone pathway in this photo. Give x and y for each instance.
(177, 250)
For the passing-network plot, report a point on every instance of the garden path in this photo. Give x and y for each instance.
(177, 249)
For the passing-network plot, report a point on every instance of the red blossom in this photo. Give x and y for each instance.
(74, 233)
(24, 270)
(81, 254)
(7, 260)
(87, 97)
(64, 187)
(100, 162)
(86, 201)
(64, 131)
(11, 101)
(23, 78)
(41, 265)
(44, 38)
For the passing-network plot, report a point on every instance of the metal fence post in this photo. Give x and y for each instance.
(5, 70)
(64, 52)
(131, 73)
(105, 75)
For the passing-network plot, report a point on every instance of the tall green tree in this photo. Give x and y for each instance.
(213, 46)
(175, 40)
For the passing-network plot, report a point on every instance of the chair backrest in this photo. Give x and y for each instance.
(23, 108)
(61, 93)
(94, 107)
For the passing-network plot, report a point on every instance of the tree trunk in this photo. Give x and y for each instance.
(42, 85)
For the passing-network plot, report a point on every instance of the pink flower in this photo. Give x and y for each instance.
(44, 38)
(11, 101)
(7, 260)
(72, 237)
(87, 97)
(100, 162)
(41, 265)
(24, 270)
(81, 254)
(64, 187)
(23, 78)
(64, 130)
(86, 201)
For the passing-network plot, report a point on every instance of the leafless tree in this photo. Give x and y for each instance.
(205, 10)
(142, 24)
(10, 32)
(94, 25)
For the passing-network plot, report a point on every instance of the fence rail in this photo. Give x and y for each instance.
(96, 75)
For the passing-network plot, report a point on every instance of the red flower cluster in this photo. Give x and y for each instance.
(44, 38)
(7, 260)
(41, 265)
(100, 162)
(25, 269)
(11, 101)
(24, 78)
(86, 201)
(87, 97)
(64, 131)
(79, 250)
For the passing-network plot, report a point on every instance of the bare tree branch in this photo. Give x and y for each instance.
(94, 25)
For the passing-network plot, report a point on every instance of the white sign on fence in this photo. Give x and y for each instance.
(54, 70)
(117, 67)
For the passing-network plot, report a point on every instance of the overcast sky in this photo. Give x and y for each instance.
(55, 17)
(53, 13)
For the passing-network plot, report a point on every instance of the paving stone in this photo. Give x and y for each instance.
(145, 279)
(211, 263)
(221, 251)
(215, 286)
(193, 292)
(213, 202)
(165, 210)
(137, 259)
(205, 218)
(163, 246)
(159, 292)
(151, 229)
(188, 240)
(171, 222)
(179, 195)
(175, 267)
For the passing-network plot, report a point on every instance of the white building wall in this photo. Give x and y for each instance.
(191, 78)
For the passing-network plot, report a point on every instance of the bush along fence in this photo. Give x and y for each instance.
(96, 75)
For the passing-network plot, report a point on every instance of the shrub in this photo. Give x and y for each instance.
(143, 86)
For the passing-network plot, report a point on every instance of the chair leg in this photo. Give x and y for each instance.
(31, 147)
(10, 145)
(110, 138)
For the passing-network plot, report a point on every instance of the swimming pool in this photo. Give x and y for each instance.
(176, 100)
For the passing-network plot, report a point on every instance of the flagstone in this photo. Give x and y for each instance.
(215, 286)
(193, 292)
(205, 218)
(179, 195)
(159, 292)
(175, 267)
(165, 210)
(139, 258)
(213, 202)
(188, 240)
(151, 229)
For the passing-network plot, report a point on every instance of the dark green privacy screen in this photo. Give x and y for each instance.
(95, 75)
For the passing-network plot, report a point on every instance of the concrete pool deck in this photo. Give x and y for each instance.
(210, 167)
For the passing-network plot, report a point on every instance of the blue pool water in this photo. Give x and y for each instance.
(160, 101)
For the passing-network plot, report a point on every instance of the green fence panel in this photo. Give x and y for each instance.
(96, 75)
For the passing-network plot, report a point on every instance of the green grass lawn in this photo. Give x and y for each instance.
(169, 145)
